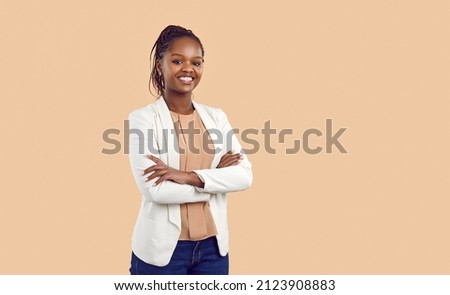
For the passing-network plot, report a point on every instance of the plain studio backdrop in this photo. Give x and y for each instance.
(71, 70)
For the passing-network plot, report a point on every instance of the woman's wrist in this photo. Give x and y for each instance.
(193, 179)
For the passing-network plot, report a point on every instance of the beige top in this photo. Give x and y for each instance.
(197, 222)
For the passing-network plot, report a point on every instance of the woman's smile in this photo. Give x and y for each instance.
(186, 79)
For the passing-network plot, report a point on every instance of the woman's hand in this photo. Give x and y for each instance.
(230, 159)
(164, 172)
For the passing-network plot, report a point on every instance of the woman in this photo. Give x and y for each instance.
(185, 158)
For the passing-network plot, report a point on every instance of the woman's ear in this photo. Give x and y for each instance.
(158, 67)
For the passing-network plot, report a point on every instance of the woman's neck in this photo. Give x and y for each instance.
(179, 102)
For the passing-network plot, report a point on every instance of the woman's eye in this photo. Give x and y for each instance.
(179, 62)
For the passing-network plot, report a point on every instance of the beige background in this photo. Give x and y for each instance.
(72, 69)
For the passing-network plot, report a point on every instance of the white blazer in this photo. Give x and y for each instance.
(158, 224)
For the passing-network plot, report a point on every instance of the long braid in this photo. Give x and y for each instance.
(162, 44)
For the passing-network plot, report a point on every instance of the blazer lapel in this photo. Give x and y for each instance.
(210, 125)
(168, 142)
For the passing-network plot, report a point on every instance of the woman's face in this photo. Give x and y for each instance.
(182, 65)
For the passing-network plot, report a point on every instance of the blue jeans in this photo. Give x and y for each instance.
(189, 258)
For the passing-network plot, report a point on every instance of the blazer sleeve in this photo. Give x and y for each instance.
(141, 133)
(228, 179)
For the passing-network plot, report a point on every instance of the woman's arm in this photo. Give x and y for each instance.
(227, 179)
(167, 192)
(226, 160)
(165, 172)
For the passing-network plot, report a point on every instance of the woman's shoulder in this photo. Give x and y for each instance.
(144, 111)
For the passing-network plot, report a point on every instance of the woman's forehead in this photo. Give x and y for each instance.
(185, 46)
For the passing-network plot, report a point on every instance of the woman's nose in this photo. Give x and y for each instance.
(187, 67)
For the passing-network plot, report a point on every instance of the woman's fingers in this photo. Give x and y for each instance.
(230, 159)
(160, 173)
(161, 170)
(226, 155)
(231, 162)
(231, 156)
(234, 157)
(159, 164)
(161, 179)
(155, 159)
(153, 168)
(153, 175)
(228, 162)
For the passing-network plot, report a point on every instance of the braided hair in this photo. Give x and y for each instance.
(162, 44)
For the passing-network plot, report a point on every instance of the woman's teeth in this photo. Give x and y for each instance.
(185, 79)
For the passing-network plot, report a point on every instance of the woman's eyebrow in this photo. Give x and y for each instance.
(183, 55)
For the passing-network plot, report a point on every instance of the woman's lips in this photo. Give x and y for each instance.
(186, 80)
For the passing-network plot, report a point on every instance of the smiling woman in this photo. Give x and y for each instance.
(182, 226)
(183, 62)
(183, 58)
